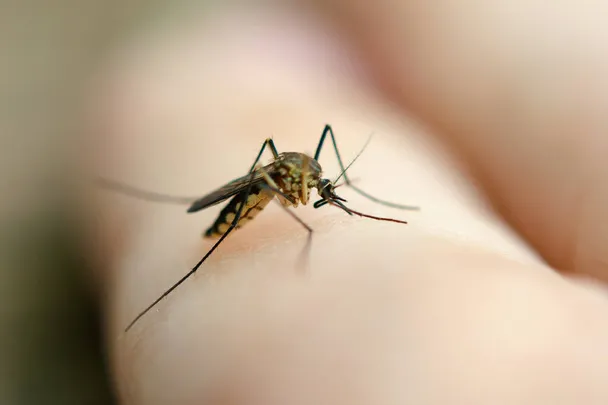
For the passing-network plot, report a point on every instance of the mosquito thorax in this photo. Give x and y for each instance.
(296, 174)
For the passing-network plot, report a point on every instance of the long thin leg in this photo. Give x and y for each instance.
(273, 149)
(329, 131)
(294, 216)
(305, 254)
(271, 185)
(220, 240)
(153, 196)
(142, 194)
(303, 262)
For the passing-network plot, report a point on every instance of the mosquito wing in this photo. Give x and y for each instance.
(231, 189)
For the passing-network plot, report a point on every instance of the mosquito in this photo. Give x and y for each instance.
(289, 178)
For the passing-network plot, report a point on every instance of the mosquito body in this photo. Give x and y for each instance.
(289, 178)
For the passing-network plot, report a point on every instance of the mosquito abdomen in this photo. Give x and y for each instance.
(256, 202)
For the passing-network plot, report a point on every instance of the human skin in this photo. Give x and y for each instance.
(451, 308)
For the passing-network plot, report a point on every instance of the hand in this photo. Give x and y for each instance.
(452, 308)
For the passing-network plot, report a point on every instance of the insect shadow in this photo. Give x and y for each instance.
(289, 178)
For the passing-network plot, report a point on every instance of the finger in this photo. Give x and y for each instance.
(520, 91)
(380, 304)
(396, 320)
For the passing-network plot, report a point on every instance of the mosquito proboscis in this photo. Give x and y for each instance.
(289, 178)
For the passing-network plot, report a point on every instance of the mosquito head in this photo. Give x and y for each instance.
(326, 190)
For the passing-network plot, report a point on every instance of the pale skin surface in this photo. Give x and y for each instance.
(452, 308)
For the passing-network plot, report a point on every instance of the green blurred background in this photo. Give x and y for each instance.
(51, 347)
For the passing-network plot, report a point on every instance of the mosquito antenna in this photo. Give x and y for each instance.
(369, 139)
(343, 173)
(343, 184)
(328, 130)
(142, 194)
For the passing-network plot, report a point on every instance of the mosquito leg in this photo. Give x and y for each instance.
(235, 221)
(294, 216)
(352, 181)
(153, 196)
(303, 180)
(303, 262)
(329, 131)
(142, 194)
(272, 185)
(273, 149)
(287, 210)
(198, 265)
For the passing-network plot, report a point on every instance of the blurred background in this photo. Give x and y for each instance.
(51, 348)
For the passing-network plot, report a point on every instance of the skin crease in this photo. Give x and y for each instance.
(452, 308)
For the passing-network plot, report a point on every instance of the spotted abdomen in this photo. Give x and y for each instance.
(258, 199)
